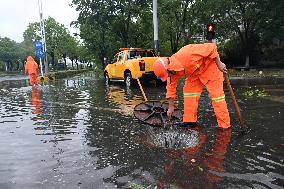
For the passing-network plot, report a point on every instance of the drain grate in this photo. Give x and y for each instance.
(172, 139)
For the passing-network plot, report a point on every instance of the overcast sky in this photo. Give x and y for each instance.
(15, 15)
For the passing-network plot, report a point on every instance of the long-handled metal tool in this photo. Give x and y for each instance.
(235, 104)
(145, 98)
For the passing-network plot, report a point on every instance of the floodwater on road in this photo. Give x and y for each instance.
(81, 133)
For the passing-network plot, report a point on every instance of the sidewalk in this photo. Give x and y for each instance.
(4, 76)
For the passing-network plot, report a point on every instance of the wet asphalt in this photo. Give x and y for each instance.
(79, 132)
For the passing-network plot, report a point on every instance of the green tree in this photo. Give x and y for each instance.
(85, 56)
(244, 19)
(108, 25)
(95, 26)
(178, 23)
(68, 48)
(55, 34)
(9, 52)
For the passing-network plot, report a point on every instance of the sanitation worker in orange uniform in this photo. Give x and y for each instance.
(201, 65)
(31, 68)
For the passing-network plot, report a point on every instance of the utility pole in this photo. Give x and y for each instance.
(42, 32)
(186, 30)
(155, 23)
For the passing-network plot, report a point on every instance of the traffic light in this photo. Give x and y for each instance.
(210, 31)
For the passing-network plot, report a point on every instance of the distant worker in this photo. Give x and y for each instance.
(201, 65)
(31, 68)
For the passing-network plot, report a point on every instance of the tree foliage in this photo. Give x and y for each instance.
(56, 35)
(248, 20)
(60, 44)
(246, 29)
(12, 54)
(106, 25)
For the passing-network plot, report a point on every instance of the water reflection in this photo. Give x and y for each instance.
(190, 168)
(74, 83)
(78, 133)
(124, 98)
(68, 110)
(36, 100)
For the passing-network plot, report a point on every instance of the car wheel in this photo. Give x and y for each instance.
(128, 80)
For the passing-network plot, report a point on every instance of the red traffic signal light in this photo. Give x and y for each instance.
(210, 27)
(210, 32)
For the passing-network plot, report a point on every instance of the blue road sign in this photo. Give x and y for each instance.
(38, 44)
(39, 53)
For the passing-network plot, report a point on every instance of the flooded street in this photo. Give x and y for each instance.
(80, 133)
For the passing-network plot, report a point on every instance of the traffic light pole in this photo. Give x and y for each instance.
(155, 23)
(45, 55)
(41, 69)
(210, 36)
(42, 31)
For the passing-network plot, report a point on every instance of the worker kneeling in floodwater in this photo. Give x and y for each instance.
(201, 65)
(31, 68)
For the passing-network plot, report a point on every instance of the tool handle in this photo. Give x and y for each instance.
(140, 86)
(235, 104)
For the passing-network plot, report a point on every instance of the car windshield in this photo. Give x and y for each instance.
(140, 54)
(114, 60)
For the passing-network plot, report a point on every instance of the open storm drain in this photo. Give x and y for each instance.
(155, 113)
(172, 139)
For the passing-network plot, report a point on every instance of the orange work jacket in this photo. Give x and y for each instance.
(194, 61)
(31, 66)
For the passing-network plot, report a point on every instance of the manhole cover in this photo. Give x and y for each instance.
(155, 113)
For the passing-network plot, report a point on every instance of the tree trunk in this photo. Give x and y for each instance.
(102, 57)
(6, 66)
(72, 63)
(247, 61)
(77, 65)
(9, 66)
(52, 59)
(65, 63)
(24, 63)
(64, 59)
(17, 65)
